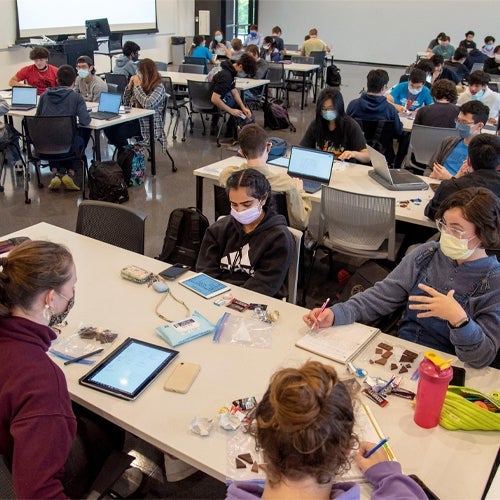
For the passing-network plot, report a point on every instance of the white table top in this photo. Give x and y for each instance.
(409, 119)
(300, 67)
(349, 177)
(230, 372)
(182, 78)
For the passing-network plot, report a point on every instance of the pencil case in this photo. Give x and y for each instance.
(467, 409)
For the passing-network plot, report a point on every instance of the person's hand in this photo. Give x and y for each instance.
(323, 320)
(348, 155)
(236, 112)
(298, 182)
(492, 121)
(134, 80)
(464, 169)
(247, 112)
(436, 304)
(365, 463)
(439, 172)
(401, 109)
(221, 45)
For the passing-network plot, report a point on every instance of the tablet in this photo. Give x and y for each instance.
(204, 285)
(129, 369)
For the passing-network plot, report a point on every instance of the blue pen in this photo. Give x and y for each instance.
(375, 448)
(380, 389)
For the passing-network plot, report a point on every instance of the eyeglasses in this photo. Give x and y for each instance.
(443, 228)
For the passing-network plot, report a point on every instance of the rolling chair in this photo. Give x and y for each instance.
(112, 88)
(319, 58)
(277, 81)
(175, 104)
(191, 68)
(161, 66)
(117, 79)
(199, 61)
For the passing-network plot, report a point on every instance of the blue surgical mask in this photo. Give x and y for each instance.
(329, 114)
(83, 73)
(218, 38)
(413, 91)
(253, 34)
(488, 47)
(463, 130)
(478, 96)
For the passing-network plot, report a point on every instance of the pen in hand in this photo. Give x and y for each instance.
(368, 454)
(83, 356)
(323, 307)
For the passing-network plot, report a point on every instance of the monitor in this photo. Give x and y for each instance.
(97, 28)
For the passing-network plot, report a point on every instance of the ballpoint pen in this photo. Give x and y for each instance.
(323, 307)
(375, 448)
(83, 356)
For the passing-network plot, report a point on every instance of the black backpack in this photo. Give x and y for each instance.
(106, 182)
(333, 78)
(276, 116)
(185, 231)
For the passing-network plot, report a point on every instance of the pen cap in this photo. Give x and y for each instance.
(431, 391)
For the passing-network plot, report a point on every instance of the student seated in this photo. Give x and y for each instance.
(87, 82)
(444, 111)
(475, 56)
(236, 49)
(453, 151)
(253, 37)
(252, 247)
(480, 169)
(261, 66)
(218, 46)
(445, 48)
(489, 45)
(441, 72)
(40, 74)
(304, 427)
(269, 51)
(435, 42)
(410, 95)
(278, 40)
(126, 64)
(450, 289)
(332, 130)
(468, 43)
(199, 49)
(457, 64)
(64, 101)
(492, 65)
(426, 66)
(313, 44)
(254, 146)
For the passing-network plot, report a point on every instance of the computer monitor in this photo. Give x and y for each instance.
(97, 28)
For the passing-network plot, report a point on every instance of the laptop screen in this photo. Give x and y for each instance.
(310, 164)
(109, 102)
(24, 95)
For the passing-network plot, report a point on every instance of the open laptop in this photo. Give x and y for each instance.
(109, 106)
(312, 166)
(23, 98)
(391, 178)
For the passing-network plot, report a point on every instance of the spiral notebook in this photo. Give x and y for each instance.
(338, 343)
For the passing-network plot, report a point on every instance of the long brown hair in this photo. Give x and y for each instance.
(149, 75)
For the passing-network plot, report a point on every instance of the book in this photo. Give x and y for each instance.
(338, 343)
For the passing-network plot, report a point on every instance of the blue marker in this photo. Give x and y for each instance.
(375, 448)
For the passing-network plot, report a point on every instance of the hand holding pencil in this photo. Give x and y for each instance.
(320, 317)
(376, 457)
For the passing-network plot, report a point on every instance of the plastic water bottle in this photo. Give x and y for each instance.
(434, 376)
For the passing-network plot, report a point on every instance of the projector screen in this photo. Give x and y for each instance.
(63, 17)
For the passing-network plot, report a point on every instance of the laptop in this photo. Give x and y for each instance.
(109, 106)
(391, 178)
(312, 166)
(23, 98)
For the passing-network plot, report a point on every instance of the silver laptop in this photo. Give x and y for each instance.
(312, 166)
(392, 178)
(109, 106)
(23, 98)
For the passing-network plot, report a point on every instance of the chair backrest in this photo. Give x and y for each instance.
(173, 100)
(302, 60)
(276, 74)
(117, 79)
(6, 485)
(199, 61)
(115, 41)
(114, 224)
(293, 270)
(358, 224)
(191, 68)
(112, 88)
(379, 134)
(161, 66)
(200, 94)
(291, 46)
(319, 57)
(51, 136)
(424, 142)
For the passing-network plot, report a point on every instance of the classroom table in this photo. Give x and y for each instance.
(454, 464)
(408, 119)
(304, 70)
(347, 176)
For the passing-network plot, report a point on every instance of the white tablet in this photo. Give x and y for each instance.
(204, 285)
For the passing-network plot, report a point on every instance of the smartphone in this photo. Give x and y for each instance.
(174, 271)
(458, 376)
(182, 377)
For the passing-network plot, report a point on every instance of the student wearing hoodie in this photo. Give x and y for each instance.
(252, 247)
(126, 64)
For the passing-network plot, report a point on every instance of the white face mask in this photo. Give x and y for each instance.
(456, 248)
(247, 216)
(414, 91)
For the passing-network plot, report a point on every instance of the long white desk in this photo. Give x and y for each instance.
(304, 70)
(347, 176)
(453, 464)
(409, 120)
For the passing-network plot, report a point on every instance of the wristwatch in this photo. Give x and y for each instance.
(461, 323)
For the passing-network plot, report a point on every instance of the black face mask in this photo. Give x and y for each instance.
(57, 319)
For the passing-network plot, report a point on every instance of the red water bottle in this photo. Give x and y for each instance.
(434, 376)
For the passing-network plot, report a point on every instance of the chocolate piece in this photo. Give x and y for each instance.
(408, 365)
(246, 457)
(263, 467)
(371, 361)
(378, 350)
(394, 366)
(405, 359)
(387, 347)
(240, 464)
(387, 354)
(255, 467)
(403, 370)
(381, 361)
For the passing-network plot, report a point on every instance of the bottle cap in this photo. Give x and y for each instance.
(437, 360)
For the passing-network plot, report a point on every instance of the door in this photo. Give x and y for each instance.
(240, 15)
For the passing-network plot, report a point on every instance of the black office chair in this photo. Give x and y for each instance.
(112, 88)
(161, 66)
(276, 77)
(379, 134)
(54, 138)
(115, 224)
(191, 68)
(199, 61)
(175, 104)
(117, 79)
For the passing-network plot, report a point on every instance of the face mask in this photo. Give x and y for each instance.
(413, 91)
(266, 47)
(497, 58)
(488, 47)
(463, 130)
(247, 216)
(241, 74)
(135, 58)
(83, 73)
(478, 96)
(428, 78)
(218, 38)
(455, 248)
(329, 114)
(56, 319)
(253, 34)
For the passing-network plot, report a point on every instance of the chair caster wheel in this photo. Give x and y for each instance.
(2, 189)
(183, 139)
(174, 169)
(28, 201)
(174, 137)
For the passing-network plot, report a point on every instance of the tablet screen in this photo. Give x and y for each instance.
(204, 285)
(129, 369)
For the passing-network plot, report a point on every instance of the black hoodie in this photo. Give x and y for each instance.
(257, 261)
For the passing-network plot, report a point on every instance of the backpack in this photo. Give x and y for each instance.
(106, 182)
(185, 230)
(278, 147)
(333, 78)
(276, 116)
(133, 164)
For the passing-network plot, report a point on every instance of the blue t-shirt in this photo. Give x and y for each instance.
(400, 95)
(454, 160)
(202, 51)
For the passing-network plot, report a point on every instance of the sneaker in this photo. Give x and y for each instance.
(19, 167)
(55, 183)
(69, 183)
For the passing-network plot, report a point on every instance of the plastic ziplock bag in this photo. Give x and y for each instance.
(240, 443)
(250, 332)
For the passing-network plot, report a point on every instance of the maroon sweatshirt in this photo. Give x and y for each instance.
(37, 424)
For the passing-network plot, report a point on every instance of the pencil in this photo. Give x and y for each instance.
(323, 307)
(375, 448)
(83, 356)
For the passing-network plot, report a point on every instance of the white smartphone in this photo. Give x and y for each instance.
(181, 378)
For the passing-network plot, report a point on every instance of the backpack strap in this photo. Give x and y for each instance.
(170, 242)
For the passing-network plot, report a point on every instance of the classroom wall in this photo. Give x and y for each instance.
(380, 31)
(175, 17)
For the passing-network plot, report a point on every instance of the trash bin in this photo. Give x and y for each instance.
(178, 49)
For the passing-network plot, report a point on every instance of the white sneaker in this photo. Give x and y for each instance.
(176, 469)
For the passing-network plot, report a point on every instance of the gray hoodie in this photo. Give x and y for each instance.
(125, 66)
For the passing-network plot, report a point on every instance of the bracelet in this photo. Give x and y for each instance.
(463, 322)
